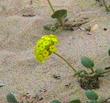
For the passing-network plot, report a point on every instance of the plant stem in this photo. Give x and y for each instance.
(51, 6)
(65, 61)
(106, 7)
(105, 72)
(59, 20)
(92, 70)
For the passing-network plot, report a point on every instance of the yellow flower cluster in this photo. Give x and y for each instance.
(45, 47)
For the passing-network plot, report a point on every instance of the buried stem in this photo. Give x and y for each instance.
(51, 6)
(59, 19)
(65, 61)
(92, 70)
(61, 22)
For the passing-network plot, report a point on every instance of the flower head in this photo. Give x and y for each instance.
(45, 47)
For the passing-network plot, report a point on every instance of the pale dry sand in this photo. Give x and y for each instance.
(22, 73)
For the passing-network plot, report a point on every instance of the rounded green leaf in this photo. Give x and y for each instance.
(60, 14)
(87, 62)
(91, 95)
(75, 101)
(11, 98)
(55, 101)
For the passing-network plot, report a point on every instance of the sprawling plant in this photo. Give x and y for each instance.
(45, 47)
(59, 15)
(92, 97)
(88, 79)
(62, 21)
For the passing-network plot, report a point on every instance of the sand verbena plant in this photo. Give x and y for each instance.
(92, 97)
(47, 46)
(59, 15)
(88, 78)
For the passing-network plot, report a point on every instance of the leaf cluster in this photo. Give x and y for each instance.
(90, 70)
(91, 96)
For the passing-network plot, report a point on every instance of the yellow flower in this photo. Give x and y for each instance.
(40, 58)
(52, 48)
(45, 47)
(45, 53)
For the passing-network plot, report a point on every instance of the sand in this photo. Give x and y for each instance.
(19, 70)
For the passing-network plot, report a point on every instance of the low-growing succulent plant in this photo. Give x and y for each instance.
(59, 15)
(63, 22)
(92, 97)
(45, 47)
(89, 78)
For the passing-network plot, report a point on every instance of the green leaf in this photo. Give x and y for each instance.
(87, 62)
(75, 101)
(60, 14)
(11, 98)
(55, 101)
(91, 95)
